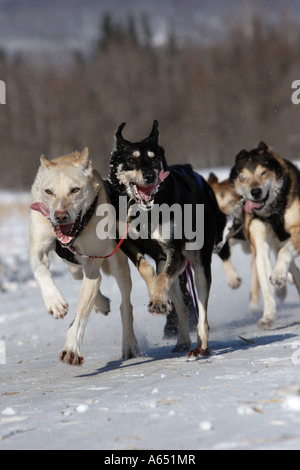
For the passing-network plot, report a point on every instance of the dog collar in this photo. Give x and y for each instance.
(84, 221)
(61, 249)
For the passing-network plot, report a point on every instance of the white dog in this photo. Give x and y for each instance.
(66, 194)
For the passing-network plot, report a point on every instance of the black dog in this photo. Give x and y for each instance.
(139, 170)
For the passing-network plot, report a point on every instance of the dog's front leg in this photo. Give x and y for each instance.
(285, 256)
(88, 293)
(159, 302)
(260, 239)
(55, 303)
(121, 271)
(144, 268)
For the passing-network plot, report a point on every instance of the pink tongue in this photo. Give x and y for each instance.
(40, 207)
(250, 205)
(163, 175)
(146, 191)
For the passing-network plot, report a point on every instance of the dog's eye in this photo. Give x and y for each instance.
(131, 161)
(155, 160)
(48, 191)
(243, 177)
(75, 190)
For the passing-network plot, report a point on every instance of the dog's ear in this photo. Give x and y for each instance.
(212, 178)
(120, 142)
(235, 170)
(154, 135)
(45, 163)
(82, 159)
(240, 156)
(262, 147)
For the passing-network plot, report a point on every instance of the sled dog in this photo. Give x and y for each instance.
(270, 189)
(66, 194)
(229, 202)
(140, 171)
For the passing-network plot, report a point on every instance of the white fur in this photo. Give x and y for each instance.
(60, 176)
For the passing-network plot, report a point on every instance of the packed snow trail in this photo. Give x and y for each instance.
(246, 395)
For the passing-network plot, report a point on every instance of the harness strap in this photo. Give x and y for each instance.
(85, 219)
(101, 257)
(192, 290)
(67, 252)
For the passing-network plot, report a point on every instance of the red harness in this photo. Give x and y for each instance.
(101, 257)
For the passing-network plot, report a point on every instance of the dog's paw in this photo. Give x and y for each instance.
(102, 304)
(234, 281)
(57, 306)
(130, 351)
(281, 293)
(71, 358)
(265, 323)
(278, 278)
(199, 352)
(159, 307)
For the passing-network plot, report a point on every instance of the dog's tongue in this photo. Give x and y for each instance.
(40, 207)
(146, 191)
(163, 175)
(251, 205)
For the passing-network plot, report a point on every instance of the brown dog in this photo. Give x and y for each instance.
(270, 190)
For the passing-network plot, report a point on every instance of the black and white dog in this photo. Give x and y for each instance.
(140, 172)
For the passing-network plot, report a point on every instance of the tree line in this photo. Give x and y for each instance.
(211, 100)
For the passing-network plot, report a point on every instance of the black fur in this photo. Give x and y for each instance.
(181, 187)
(184, 187)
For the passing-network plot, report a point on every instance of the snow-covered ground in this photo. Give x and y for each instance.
(246, 395)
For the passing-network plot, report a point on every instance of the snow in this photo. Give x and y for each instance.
(246, 395)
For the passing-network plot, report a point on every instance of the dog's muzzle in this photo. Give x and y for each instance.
(66, 233)
(251, 205)
(145, 194)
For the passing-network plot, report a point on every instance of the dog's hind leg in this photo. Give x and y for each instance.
(121, 271)
(255, 286)
(184, 340)
(296, 275)
(76, 271)
(203, 283)
(233, 279)
(89, 289)
(102, 303)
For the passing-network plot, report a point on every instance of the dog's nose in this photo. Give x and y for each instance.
(256, 193)
(61, 216)
(149, 177)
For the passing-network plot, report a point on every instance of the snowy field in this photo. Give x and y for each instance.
(246, 395)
